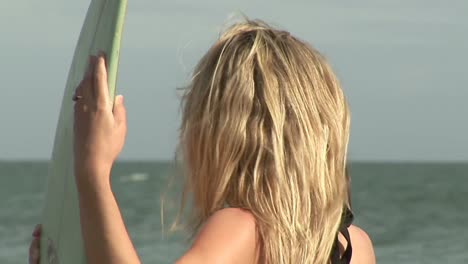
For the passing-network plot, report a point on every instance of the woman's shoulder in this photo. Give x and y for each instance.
(237, 214)
(229, 234)
(363, 251)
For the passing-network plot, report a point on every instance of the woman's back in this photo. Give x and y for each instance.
(229, 237)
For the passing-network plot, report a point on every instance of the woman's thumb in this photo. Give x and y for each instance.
(120, 114)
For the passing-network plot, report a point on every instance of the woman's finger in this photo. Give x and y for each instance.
(83, 97)
(90, 67)
(84, 89)
(91, 76)
(34, 251)
(120, 113)
(100, 82)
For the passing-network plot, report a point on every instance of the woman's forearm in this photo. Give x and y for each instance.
(104, 232)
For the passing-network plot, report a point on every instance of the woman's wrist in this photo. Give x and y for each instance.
(92, 177)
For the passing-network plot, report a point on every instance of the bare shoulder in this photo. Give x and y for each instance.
(229, 236)
(363, 251)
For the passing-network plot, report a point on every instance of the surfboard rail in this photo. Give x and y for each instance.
(61, 239)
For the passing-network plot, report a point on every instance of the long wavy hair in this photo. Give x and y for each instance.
(265, 127)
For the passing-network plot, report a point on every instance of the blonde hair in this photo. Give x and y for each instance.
(265, 127)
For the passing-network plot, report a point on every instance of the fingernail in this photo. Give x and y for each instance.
(101, 54)
(37, 230)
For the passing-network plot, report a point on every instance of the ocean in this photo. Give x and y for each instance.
(414, 212)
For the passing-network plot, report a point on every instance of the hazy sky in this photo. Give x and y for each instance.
(402, 63)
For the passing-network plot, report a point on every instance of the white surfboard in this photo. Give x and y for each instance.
(61, 240)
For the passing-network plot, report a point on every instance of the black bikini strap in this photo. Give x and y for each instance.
(349, 249)
(347, 219)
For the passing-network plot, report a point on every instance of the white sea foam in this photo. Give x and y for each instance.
(135, 177)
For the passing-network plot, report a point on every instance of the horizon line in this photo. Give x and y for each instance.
(379, 161)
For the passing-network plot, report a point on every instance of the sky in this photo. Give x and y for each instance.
(402, 64)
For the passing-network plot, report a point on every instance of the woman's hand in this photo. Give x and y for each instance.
(34, 248)
(99, 130)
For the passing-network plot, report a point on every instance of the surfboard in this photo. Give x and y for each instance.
(61, 240)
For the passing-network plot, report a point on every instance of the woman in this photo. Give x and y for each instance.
(264, 138)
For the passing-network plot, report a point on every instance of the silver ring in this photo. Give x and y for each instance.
(77, 97)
